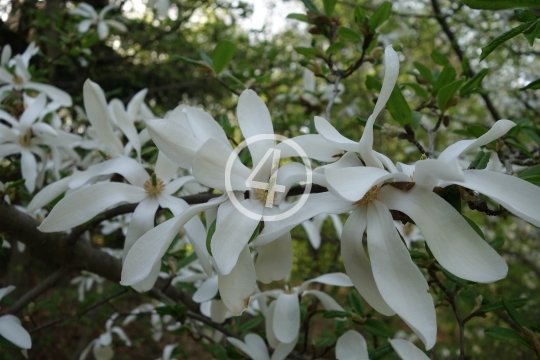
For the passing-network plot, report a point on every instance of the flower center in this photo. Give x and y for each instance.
(25, 139)
(369, 197)
(262, 195)
(154, 186)
(17, 80)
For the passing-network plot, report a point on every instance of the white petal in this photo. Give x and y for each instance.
(103, 30)
(428, 172)
(126, 124)
(117, 25)
(11, 329)
(6, 55)
(151, 247)
(218, 311)
(254, 119)
(333, 136)
(287, 318)
(6, 290)
(28, 169)
(334, 279)
(98, 115)
(518, 196)
(165, 168)
(129, 168)
(204, 127)
(48, 194)
(357, 264)
(269, 325)
(400, 282)
(207, 291)
(406, 350)
(174, 140)
(314, 145)
(134, 105)
(498, 129)
(283, 350)
(70, 212)
(236, 287)
(315, 204)
(84, 26)
(141, 221)
(32, 113)
(456, 246)
(54, 93)
(351, 346)
(148, 283)
(313, 233)
(275, 260)
(353, 183)
(233, 234)
(254, 348)
(210, 165)
(326, 300)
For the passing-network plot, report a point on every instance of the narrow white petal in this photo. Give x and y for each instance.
(428, 172)
(254, 119)
(314, 145)
(11, 329)
(174, 140)
(287, 318)
(326, 300)
(117, 25)
(165, 168)
(253, 346)
(207, 291)
(498, 129)
(48, 194)
(84, 25)
(148, 283)
(357, 264)
(126, 125)
(334, 279)
(134, 105)
(351, 346)
(28, 169)
(82, 205)
(54, 93)
(400, 282)
(129, 168)
(407, 351)
(204, 127)
(6, 290)
(456, 246)
(103, 30)
(330, 134)
(269, 325)
(236, 287)
(283, 350)
(98, 115)
(275, 260)
(32, 113)
(233, 234)
(142, 221)
(314, 235)
(210, 165)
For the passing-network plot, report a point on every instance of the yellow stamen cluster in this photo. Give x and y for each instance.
(154, 186)
(24, 140)
(17, 80)
(369, 197)
(262, 194)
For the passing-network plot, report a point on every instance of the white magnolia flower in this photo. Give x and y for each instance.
(14, 75)
(93, 18)
(85, 281)
(102, 347)
(254, 347)
(10, 326)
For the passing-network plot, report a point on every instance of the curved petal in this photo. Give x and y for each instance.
(406, 350)
(70, 212)
(84, 25)
(48, 194)
(204, 127)
(126, 125)
(399, 280)
(151, 247)
(210, 165)
(428, 172)
(314, 145)
(287, 317)
(254, 119)
(142, 221)
(351, 345)
(148, 283)
(456, 246)
(275, 260)
(236, 287)
(357, 264)
(117, 25)
(32, 113)
(232, 235)
(57, 95)
(98, 115)
(207, 291)
(330, 134)
(103, 30)
(518, 196)
(353, 183)
(326, 300)
(129, 168)
(334, 279)
(134, 105)
(29, 169)
(498, 129)
(314, 234)
(282, 350)
(165, 168)
(253, 346)
(11, 329)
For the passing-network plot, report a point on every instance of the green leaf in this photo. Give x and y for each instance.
(355, 302)
(500, 4)
(424, 71)
(535, 85)
(185, 59)
(532, 171)
(524, 15)
(373, 84)
(532, 134)
(334, 48)
(468, 297)
(520, 147)
(398, 107)
(349, 34)
(416, 118)
(359, 15)
(512, 312)
(480, 161)
(299, 17)
(500, 333)
(211, 231)
(306, 51)
(439, 58)
(447, 92)
(310, 5)
(535, 179)
(329, 6)
(330, 314)
(477, 130)
(475, 227)
(473, 83)
(381, 352)
(222, 55)
(250, 324)
(497, 243)
(378, 328)
(493, 44)
(447, 76)
(532, 32)
(451, 277)
(418, 90)
(380, 16)
(205, 57)
(498, 305)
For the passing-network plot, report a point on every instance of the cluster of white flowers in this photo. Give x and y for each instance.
(249, 221)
